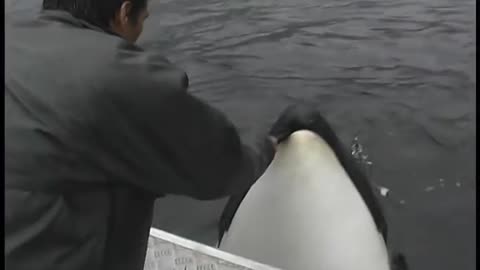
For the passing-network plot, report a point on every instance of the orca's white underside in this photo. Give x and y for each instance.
(305, 213)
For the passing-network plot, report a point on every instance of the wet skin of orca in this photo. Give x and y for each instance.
(307, 212)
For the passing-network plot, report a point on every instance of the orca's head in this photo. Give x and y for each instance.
(315, 122)
(321, 127)
(324, 130)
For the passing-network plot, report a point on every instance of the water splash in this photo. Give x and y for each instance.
(360, 155)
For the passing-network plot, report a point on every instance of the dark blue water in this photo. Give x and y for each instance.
(400, 74)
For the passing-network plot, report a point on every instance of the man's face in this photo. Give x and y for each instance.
(126, 26)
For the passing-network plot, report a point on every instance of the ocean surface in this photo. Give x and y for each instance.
(399, 74)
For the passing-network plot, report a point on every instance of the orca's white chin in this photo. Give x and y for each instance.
(306, 213)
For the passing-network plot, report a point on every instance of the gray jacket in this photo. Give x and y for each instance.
(95, 130)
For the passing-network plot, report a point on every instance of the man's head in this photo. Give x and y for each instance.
(123, 17)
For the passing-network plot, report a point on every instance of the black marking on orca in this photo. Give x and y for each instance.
(228, 213)
(398, 262)
(322, 128)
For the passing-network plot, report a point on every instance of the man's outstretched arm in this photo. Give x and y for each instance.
(170, 142)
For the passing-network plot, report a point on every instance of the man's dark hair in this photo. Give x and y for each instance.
(97, 12)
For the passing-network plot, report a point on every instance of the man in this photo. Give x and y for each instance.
(96, 128)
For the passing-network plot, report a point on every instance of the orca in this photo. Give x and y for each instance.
(312, 209)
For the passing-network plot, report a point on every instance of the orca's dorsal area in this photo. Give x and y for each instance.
(305, 212)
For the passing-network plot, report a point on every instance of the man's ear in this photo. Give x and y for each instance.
(124, 12)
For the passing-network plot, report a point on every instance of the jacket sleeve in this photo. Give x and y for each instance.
(167, 141)
(206, 151)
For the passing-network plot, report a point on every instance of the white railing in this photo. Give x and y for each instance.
(167, 251)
